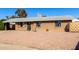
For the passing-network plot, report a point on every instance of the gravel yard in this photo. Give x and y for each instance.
(38, 40)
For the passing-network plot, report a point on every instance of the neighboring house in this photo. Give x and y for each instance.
(54, 23)
(75, 20)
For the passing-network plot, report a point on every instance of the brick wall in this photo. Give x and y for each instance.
(44, 26)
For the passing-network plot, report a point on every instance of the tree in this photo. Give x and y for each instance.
(1, 25)
(2, 20)
(13, 16)
(7, 17)
(10, 17)
(21, 13)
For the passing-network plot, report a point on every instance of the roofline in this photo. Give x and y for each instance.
(33, 19)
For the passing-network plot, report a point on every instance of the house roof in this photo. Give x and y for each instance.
(75, 20)
(33, 19)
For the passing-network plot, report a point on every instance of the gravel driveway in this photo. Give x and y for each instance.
(38, 40)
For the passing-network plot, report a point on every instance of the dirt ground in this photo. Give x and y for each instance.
(38, 40)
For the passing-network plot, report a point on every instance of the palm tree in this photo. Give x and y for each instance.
(21, 13)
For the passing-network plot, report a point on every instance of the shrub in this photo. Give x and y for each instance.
(47, 29)
(1, 25)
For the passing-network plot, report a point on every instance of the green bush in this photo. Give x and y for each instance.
(1, 25)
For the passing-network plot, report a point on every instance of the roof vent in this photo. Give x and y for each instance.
(40, 15)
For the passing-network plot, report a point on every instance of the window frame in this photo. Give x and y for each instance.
(38, 24)
(58, 23)
(20, 23)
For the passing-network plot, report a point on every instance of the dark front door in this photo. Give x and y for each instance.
(7, 25)
(29, 26)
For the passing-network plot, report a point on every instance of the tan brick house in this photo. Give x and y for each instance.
(53, 23)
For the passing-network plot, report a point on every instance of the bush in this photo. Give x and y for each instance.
(1, 25)
(47, 29)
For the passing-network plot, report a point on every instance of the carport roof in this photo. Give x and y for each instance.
(34, 19)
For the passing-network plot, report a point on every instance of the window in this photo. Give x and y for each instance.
(20, 23)
(58, 23)
(29, 26)
(38, 24)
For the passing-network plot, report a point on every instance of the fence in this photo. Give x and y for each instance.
(74, 27)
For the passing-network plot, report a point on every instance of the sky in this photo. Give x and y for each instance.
(32, 12)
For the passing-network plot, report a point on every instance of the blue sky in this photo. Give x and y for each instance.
(32, 12)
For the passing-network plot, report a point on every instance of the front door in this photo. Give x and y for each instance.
(7, 26)
(29, 26)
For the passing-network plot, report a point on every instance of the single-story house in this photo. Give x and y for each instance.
(51, 23)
